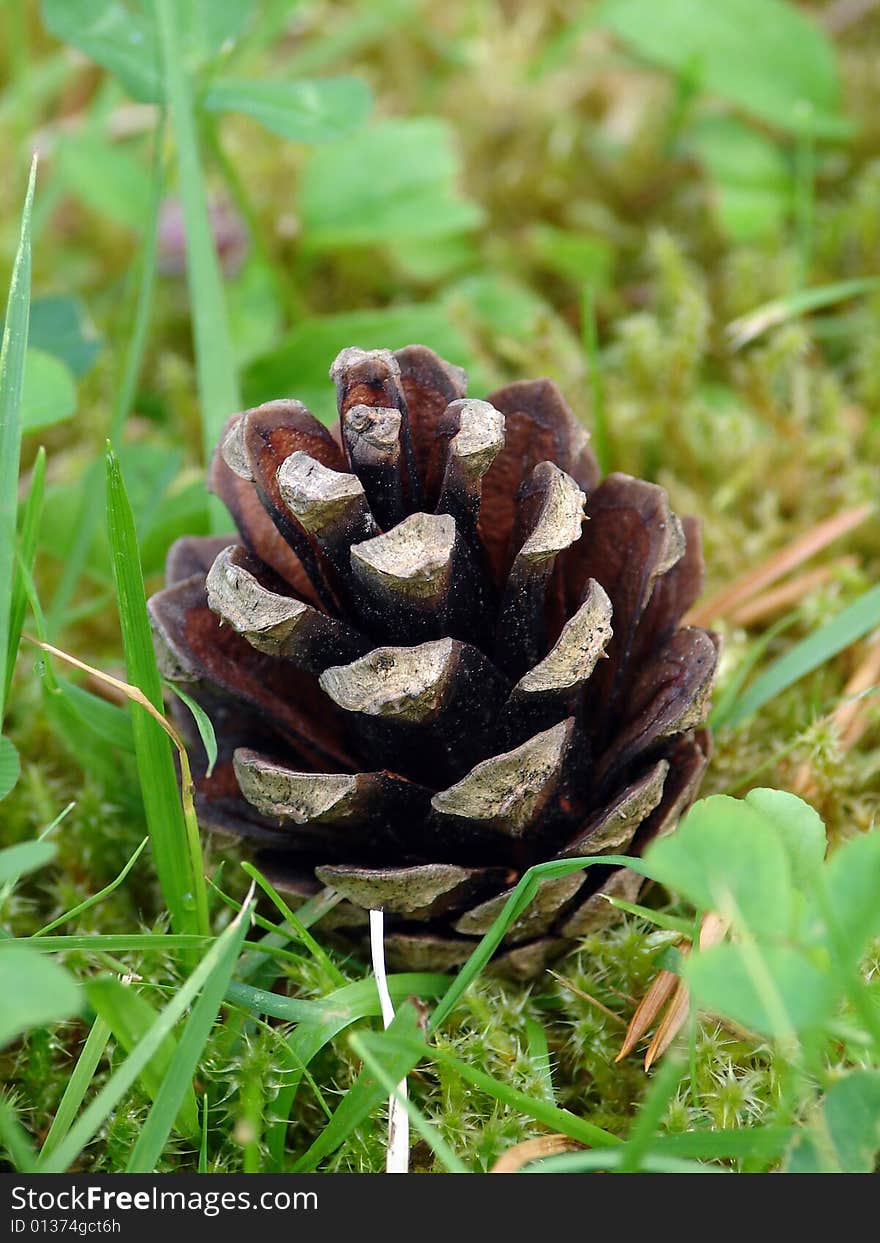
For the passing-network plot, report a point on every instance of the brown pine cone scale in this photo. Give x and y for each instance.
(441, 650)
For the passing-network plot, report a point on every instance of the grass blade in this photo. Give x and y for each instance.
(27, 548)
(95, 898)
(215, 369)
(429, 1133)
(116, 1088)
(855, 621)
(177, 857)
(177, 1081)
(77, 1085)
(748, 327)
(12, 352)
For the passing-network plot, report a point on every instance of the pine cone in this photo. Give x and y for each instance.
(423, 676)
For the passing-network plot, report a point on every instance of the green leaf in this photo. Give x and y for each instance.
(35, 991)
(176, 1090)
(107, 721)
(762, 55)
(299, 364)
(12, 356)
(799, 828)
(856, 620)
(130, 1016)
(117, 35)
(61, 326)
(16, 861)
(49, 394)
(107, 178)
(725, 857)
(581, 258)
(752, 181)
(206, 26)
(10, 766)
(786, 992)
(846, 1138)
(851, 897)
(414, 197)
(303, 111)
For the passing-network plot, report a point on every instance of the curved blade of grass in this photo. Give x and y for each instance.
(318, 952)
(593, 1162)
(215, 368)
(173, 835)
(203, 725)
(95, 898)
(77, 1085)
(124, 1078)
(522, 895)
(750, 326)
(27, 547)
(12, 353)
(428, 1132)
(857, 620)
(177, 1080)
(130, 1014)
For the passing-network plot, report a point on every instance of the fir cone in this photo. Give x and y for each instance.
(425, 671)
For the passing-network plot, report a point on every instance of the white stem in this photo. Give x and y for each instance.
(397, 1160)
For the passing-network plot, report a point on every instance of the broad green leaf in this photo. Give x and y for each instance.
(49, 394)
(798, 826)
(16, 861)
(851, 898)
(60, 326)
(108, 178)
(413, 196)
(207, 26)
(130, 1016)
(35, 991)
(303, 111)
(753, 189)
(785, 992)
(762, 55)
(118, 35)
(300, 363)
(846, 1137)
(581, 258)
(725, 857)
(10, 766)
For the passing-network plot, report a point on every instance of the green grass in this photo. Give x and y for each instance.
(552, 205)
